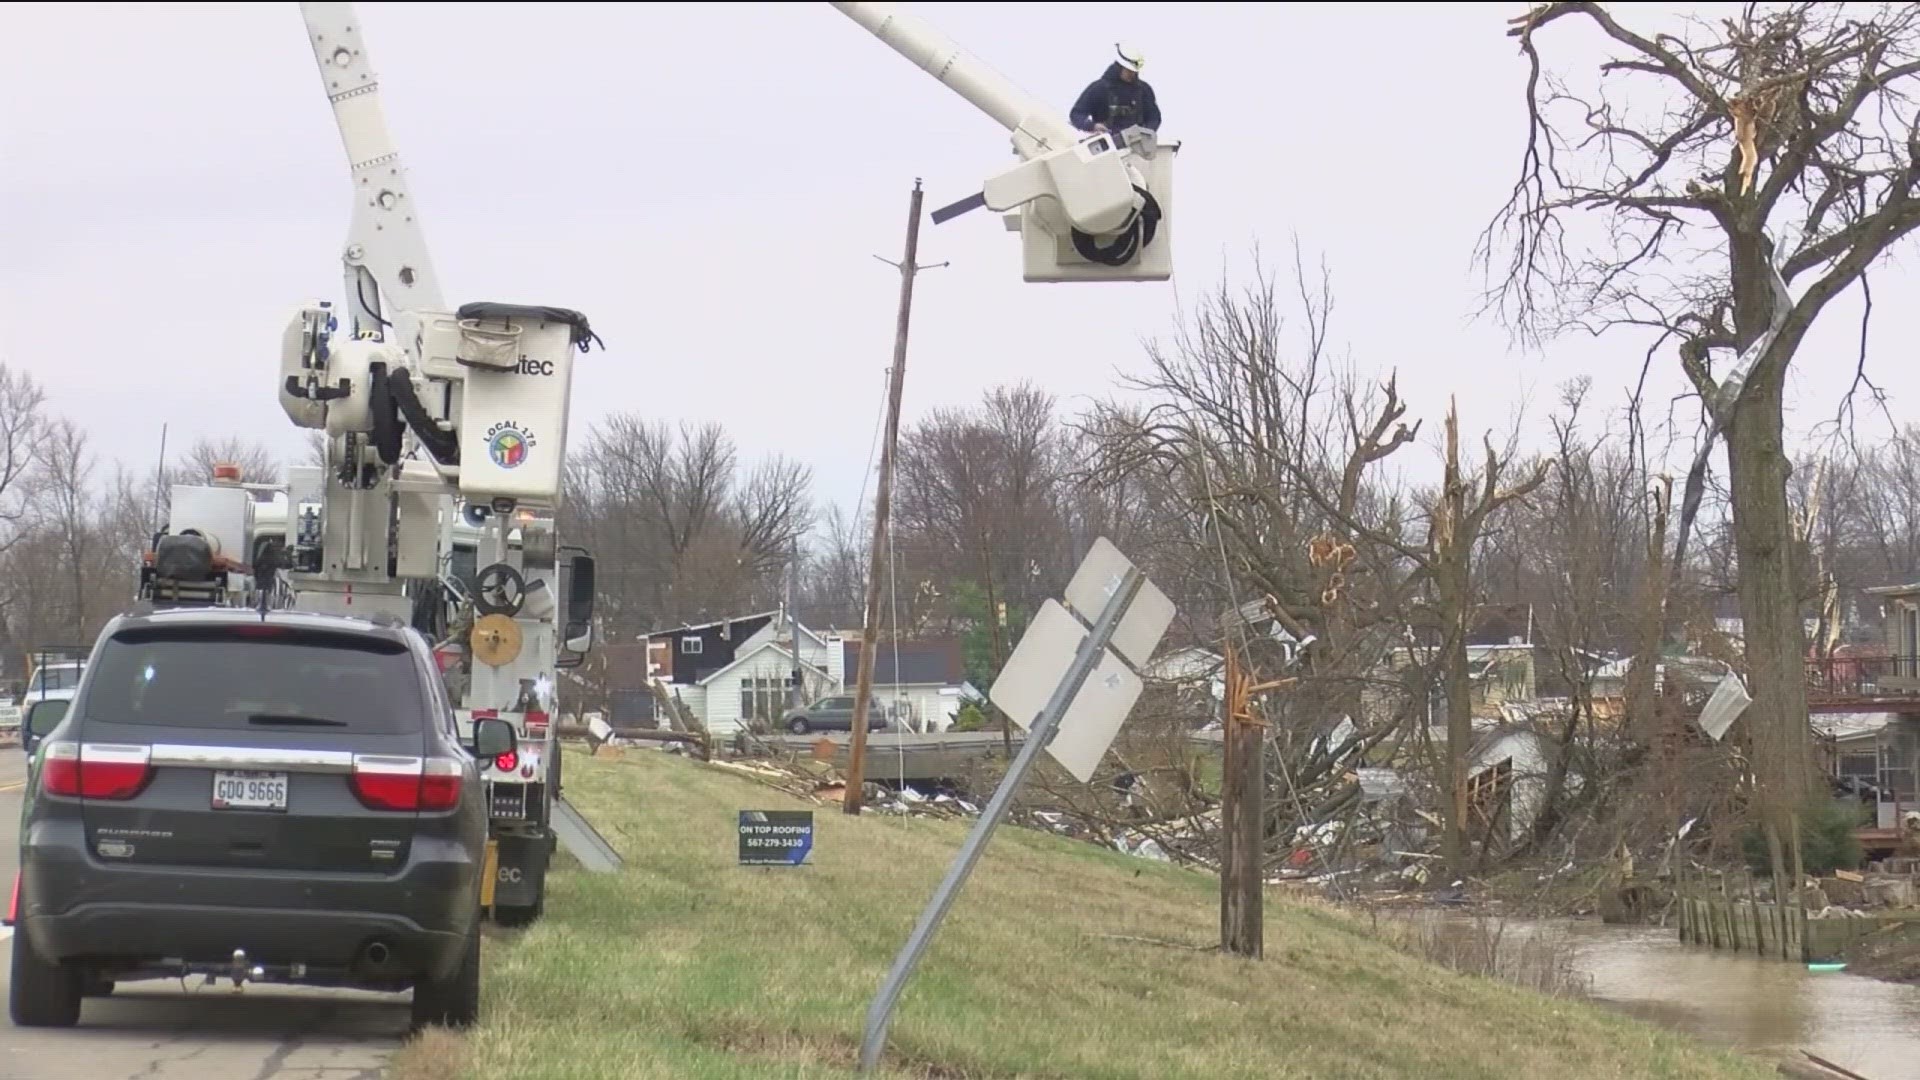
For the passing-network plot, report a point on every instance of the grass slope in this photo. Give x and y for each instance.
(687, 965)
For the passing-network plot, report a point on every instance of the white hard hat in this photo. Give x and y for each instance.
(1128, 58)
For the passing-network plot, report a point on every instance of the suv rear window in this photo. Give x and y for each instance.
(62, 677)
(258, 678)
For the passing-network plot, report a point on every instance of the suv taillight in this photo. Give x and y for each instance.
(95, 770)
(404, 783)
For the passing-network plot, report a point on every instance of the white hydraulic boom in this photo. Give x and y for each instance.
(386, 248)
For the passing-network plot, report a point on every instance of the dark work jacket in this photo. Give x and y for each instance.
(1119, 104)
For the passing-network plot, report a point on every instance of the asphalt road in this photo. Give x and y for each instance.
(158, 1031)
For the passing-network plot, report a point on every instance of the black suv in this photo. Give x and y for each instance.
(273, 798)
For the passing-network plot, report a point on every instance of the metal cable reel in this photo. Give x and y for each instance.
(496, 640)
(499, 590)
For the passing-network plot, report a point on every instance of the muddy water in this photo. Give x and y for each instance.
(1768, 1007)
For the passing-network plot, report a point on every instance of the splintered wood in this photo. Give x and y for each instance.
(1241, 688)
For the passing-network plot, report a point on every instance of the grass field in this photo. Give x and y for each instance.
(1060, 960)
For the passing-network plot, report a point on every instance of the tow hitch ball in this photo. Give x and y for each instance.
(240, 971)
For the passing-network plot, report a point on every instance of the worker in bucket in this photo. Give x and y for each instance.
(1119, 99)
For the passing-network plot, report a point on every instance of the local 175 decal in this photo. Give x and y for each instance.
(508, 444)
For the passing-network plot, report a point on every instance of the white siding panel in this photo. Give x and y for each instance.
(723, 694)
(695, 698)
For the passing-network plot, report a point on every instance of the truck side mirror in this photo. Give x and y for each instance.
(580, 591)
(579, 637)
(493, 737)
(40, 722)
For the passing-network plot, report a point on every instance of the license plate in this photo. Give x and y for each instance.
(509, 801)
(249, 791)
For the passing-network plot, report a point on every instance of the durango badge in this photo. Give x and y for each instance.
(508, 444)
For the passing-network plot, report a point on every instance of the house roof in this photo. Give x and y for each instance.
(1893, 590)
(1487, 739)
(696, 627)
(1841, 727)
(921, 663)
(738, 660)
(762, 618)
(785, 628)
(1204, 664)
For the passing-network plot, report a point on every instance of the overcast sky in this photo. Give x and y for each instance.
(709, 183)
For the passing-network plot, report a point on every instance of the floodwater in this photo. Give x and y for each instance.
(1768, 1007)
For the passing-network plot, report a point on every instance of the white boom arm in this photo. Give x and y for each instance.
(1036, 128)
(1090, 206)
(388, 269)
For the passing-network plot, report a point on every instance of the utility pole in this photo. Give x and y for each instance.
(882, 500)
(993, 633)
(796, 694)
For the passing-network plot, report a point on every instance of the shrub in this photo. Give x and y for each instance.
(1827, 842)
(970, 718)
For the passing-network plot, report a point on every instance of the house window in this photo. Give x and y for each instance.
(691, 646)
(1858, 766)
(762, 697)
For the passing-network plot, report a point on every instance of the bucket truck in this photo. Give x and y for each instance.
(445, 428)
(444, 432)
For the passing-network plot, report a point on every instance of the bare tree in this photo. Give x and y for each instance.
(257, 464)
(980, 514)
(681, 535)
(1577, 554)
(1459, 517)
(22, 424)
(1257, 466)
(65, 510)
(1785, 156)
(834, 583)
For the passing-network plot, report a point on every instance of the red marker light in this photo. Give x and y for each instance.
(506, 762)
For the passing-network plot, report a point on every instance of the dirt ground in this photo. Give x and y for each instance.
(1892, 955)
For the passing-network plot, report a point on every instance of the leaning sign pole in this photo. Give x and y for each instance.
(1091, 691)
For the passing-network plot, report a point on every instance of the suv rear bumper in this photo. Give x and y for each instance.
(76, 907)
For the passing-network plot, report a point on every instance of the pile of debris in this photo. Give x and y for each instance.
(1378, 844)
(1850, 895)
(820, 783)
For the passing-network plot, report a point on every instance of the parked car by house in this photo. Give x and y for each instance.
(833, 714)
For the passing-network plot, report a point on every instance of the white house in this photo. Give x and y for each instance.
(918, 680)
(1191, 668)
(740, 668)
(737, 670)
(1508, 763)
